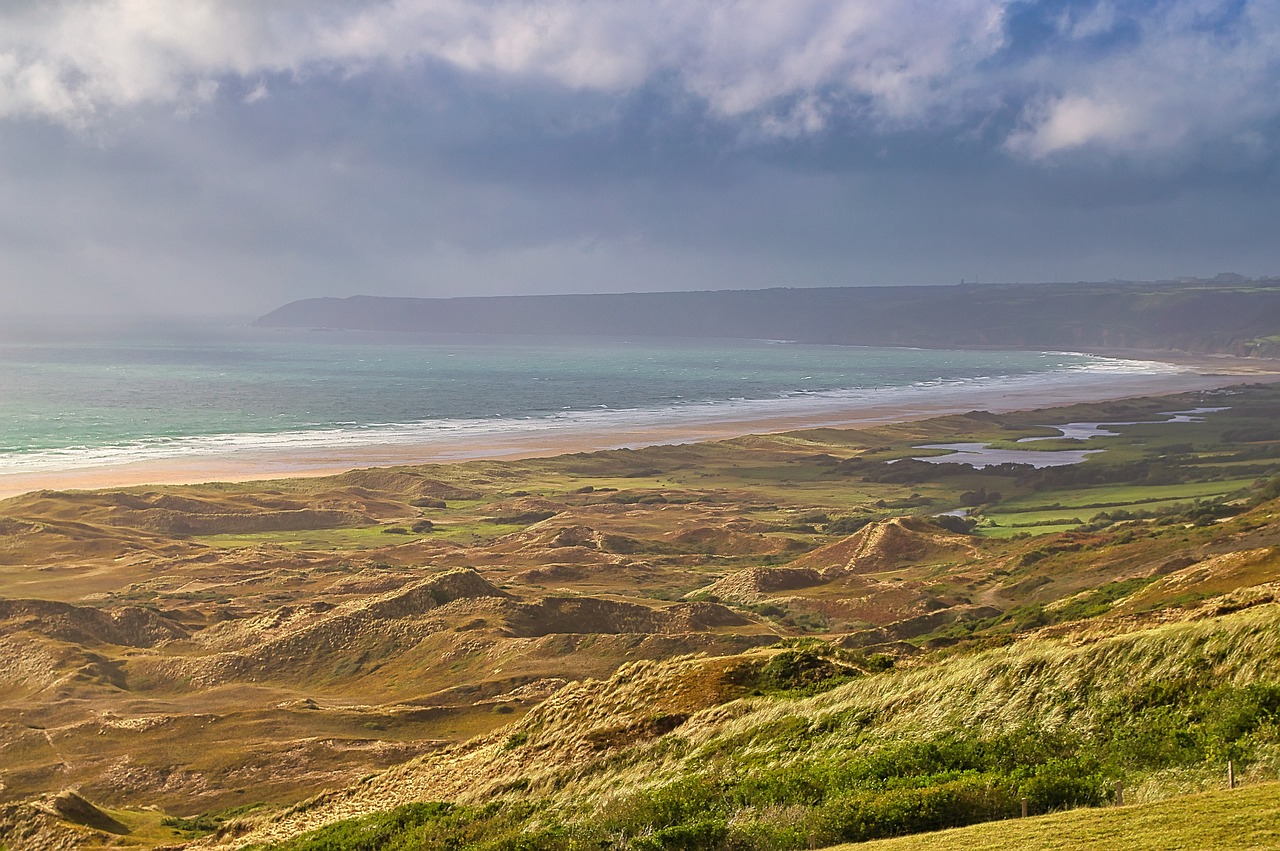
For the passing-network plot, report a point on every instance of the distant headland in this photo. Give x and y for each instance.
(1228, 314)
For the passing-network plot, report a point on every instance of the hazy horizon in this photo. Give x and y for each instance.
(224, 159)
(73, 320)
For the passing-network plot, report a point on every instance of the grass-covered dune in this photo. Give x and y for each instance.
(737, 753)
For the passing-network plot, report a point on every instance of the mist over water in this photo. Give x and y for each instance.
(122, 397)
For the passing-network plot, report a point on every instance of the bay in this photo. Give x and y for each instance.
(131, 396)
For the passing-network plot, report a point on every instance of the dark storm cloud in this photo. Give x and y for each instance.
(229, 156)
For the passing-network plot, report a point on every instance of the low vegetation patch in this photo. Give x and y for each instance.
(522, 518)
(798, 671)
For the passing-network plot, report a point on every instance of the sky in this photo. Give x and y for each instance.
(227, 156)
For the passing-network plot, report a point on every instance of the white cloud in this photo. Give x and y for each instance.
(784, 67)
(740, 55)
(1072, 121)
(258, 93)
(1180, 83)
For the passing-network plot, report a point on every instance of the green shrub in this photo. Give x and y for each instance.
(846, 525)
(862, 816)
(194, 825)
(704, 833)
(523, 518)
(797, 671)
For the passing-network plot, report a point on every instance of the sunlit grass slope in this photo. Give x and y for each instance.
(957, 740)
(1247, 818)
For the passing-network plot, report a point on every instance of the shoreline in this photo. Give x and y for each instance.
(1199, 373)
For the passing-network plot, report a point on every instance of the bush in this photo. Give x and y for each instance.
(797, 672)
(523, 518)
(1062, 782)
(952, 523)
(200, 824)
(860, 817)
(705, 833)
(846, 525)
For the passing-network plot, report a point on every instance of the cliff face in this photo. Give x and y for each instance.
(1242, 319)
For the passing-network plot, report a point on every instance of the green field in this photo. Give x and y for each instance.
(1078, 506)
(1111, 496)
(1009, 531)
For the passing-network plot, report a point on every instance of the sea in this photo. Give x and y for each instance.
(103, 399)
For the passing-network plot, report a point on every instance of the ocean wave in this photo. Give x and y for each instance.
(442, 433)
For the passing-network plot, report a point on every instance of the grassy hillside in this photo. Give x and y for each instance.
(632, 763)
(1246, 818)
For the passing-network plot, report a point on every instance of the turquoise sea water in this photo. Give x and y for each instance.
(131, 397)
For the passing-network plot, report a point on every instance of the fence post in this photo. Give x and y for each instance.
(1119, 793)
(1024, 807)
(1231, 774)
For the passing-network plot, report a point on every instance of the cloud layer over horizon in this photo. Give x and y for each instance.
(227, 156)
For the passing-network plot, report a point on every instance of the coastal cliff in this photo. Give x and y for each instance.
(1237, 318)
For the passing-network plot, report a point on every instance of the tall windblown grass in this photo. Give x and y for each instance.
(634, 762)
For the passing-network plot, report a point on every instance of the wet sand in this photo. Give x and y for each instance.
(1204, 373)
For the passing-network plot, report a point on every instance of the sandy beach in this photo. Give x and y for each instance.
(1200, 373)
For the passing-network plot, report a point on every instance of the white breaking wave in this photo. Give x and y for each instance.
(441, 433)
